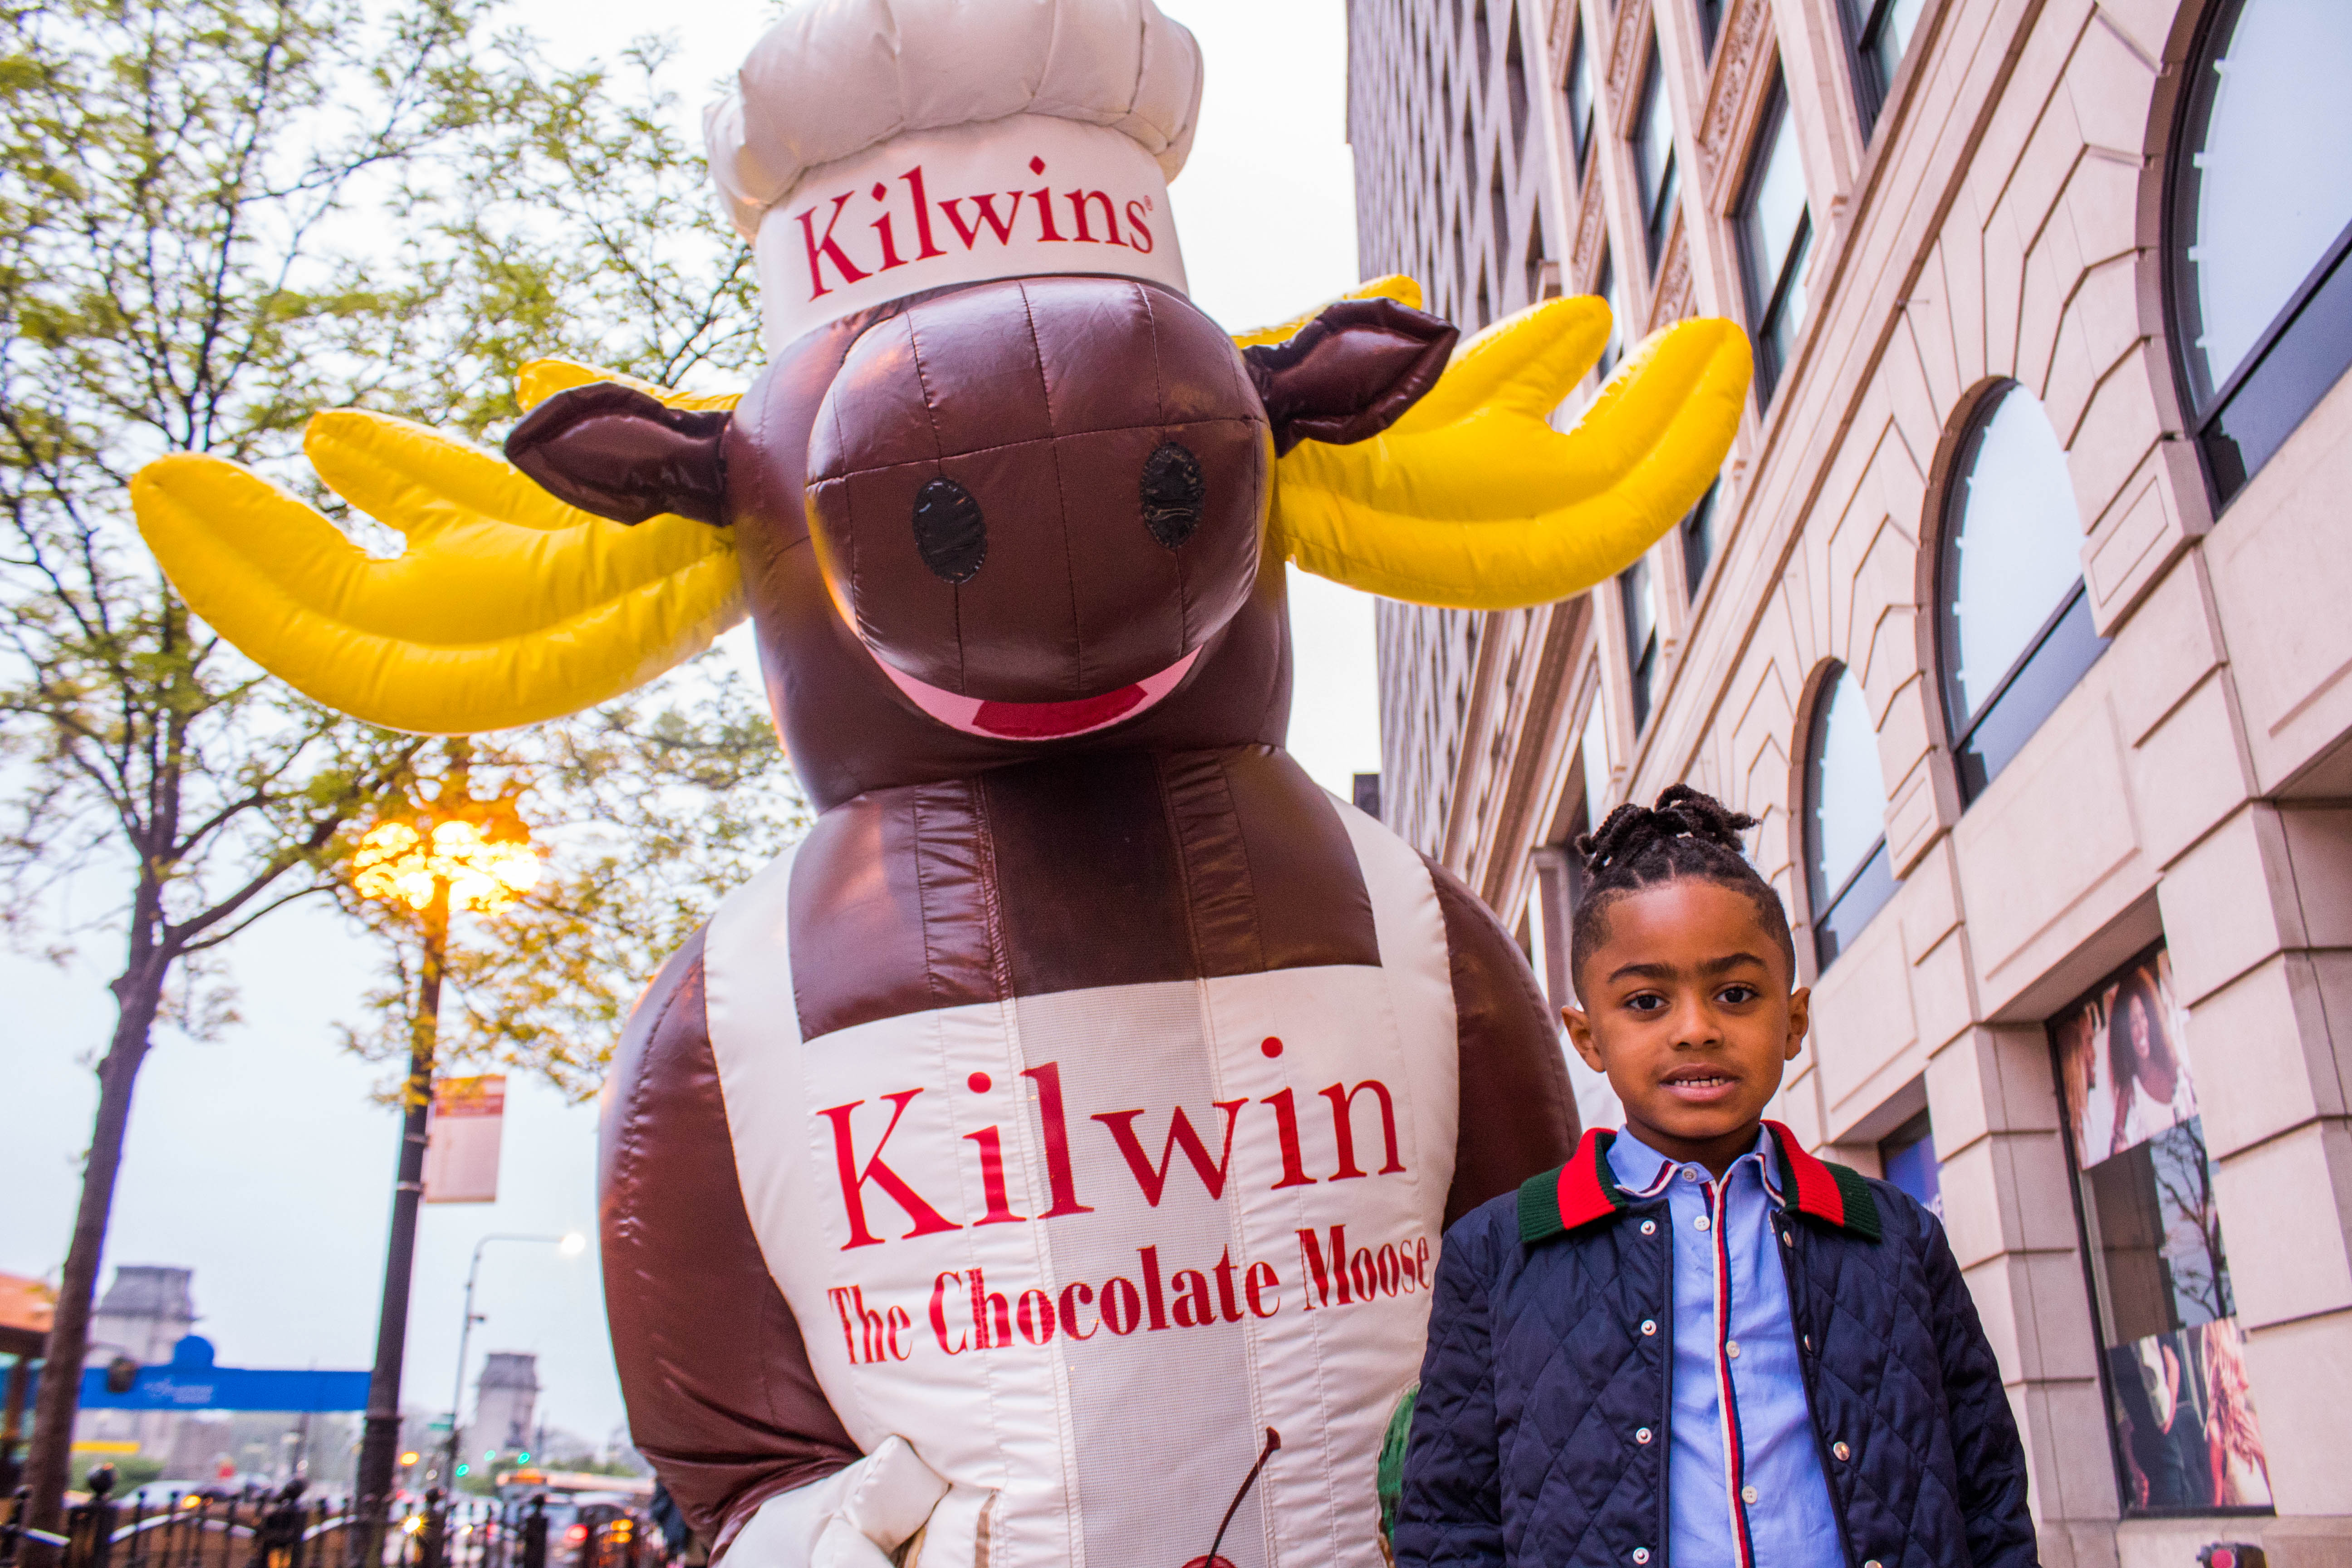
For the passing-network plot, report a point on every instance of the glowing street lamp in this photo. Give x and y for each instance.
(455, 854)
(479, 863)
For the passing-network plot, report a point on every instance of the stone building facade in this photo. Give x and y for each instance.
(2016, 616)
(145, 1311)
(505, 1397)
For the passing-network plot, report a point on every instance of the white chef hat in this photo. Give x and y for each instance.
(873, 149)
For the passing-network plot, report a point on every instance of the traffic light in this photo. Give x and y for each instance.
(465, 1470)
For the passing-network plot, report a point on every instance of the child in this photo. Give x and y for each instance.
(1696, 1345)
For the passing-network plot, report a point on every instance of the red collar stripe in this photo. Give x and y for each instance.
(1583, 1191)
(1833, 1193)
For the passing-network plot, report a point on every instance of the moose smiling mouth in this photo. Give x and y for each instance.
(1038, 721)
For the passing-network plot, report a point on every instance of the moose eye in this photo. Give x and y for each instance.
(1173, 489)
(950, 533)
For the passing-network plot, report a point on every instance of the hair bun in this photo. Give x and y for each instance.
(1680, 812)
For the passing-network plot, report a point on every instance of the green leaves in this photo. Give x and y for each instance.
(216, 219)
(647, 811)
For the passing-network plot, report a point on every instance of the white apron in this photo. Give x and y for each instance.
(1003, 1246)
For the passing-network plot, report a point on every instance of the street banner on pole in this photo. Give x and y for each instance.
(461, 1140)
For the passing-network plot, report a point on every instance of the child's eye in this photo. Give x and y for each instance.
(1738, 996)
(1645, 1002)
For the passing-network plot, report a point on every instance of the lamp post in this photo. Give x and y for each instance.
(572, 1244)
(457, 853)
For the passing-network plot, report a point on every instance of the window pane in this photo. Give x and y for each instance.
(1655, 138)
(1907, 1157)
(1710, 22)
(1775, 205)
(1641, 635)
(1887, 35)
(1835, 928)
(2049, 672)
(1775, 236)
(1606, 287)
(2260, 220)
(1580, 97)
(1698, 539)
(2012, 550)
(1779, 329)
(1641, 607)
(2286, 383)
(1848, 803)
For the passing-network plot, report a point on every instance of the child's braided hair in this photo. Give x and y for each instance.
(1686, 833)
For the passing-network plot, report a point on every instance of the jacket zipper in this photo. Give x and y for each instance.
(1663, 1551)
(1805, 1359)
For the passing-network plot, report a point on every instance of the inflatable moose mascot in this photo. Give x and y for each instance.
(1054, 1147)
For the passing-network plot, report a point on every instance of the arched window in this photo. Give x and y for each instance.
(2261, 299)
(2013, 623)
(1847, 873)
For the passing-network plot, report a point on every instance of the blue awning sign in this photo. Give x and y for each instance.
(189, 1380)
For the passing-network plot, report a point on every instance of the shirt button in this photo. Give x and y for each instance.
(1809, 1342)
(1872, 1564)
(1748, 1494)
(1787, 1240)
(1641, 1434)
(1841, 1451)
(1701, 1223)
(1642, 1554)
(1689, 1174)
(1649, 1325)
(1649, 1228)
(1732, 1349)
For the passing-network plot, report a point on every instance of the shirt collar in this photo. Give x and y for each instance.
(1642, 1173)
(1589, 1187)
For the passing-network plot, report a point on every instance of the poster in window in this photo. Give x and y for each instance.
(2120, 1058)
(2185, 1421)
(2187, 1439)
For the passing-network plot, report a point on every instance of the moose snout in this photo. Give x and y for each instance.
(1040, 490)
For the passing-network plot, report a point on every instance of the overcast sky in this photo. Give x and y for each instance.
(260, 1160)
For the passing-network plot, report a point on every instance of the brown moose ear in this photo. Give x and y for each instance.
(613, 450)
(1351, 372)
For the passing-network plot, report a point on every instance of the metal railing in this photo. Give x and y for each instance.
(283, 1530)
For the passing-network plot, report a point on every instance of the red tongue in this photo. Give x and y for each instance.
(1043, 721)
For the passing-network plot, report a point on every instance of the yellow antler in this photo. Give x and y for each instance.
(1472, 500)
(507, 608)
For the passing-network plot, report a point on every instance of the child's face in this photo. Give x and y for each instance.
(1689, 1012)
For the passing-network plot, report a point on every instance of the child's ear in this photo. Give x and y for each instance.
(1579, 1034)
(1800, 1020)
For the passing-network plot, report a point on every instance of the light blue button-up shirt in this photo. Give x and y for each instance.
(1748, 1491)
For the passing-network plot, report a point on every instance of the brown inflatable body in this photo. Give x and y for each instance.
(1089, 1092)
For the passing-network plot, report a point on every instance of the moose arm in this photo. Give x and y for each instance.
(721, 1397)
(1517, 1111)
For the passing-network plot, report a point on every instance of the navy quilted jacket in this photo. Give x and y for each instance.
(1537, 1377)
